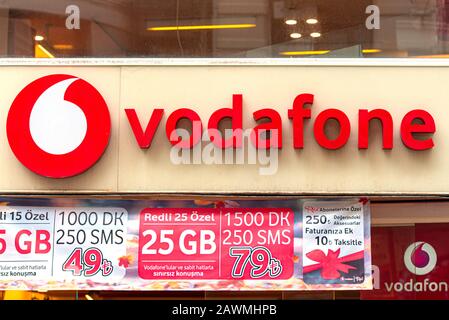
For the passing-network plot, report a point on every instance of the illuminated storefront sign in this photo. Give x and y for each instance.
(118, 122)
(59, 125)
(298, 114)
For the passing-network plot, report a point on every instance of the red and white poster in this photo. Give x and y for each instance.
(183, 245)
(334, 242)
(247, 243)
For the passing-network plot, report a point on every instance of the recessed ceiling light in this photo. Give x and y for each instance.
(311, 21)
(291, 22)
(295, 35)
(38, 38)
(315, 34)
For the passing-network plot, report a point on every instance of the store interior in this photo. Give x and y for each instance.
(224, 29)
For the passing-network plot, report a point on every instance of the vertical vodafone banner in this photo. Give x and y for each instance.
(64, 244)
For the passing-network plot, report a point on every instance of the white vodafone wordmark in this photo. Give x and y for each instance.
(57, 126)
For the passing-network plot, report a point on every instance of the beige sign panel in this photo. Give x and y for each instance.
(126, 168)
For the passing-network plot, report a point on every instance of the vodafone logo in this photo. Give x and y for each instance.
(58, 126)
(420, 258)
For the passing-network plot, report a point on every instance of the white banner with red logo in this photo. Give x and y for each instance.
(184, 244)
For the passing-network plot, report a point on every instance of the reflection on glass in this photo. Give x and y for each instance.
(224, 28)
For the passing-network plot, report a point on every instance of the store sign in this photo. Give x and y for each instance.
(58, 126)
(420, 258)
(404, 268)
(297, 114)
(174, 129)
(208, 246)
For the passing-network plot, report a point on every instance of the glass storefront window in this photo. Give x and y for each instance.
(224, 28)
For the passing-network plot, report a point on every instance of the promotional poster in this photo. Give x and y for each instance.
(76, 244)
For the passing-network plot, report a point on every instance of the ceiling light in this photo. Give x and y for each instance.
(38, 37)
(63, 46)
(433, 56)
(371, 50)
(291, 22)
(295, 35)
(203, 27)
(315, 34)
(312, 21)
(304, 53)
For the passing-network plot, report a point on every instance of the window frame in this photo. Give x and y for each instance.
(337, 62)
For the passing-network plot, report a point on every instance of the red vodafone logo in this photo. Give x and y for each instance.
(58, 126)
